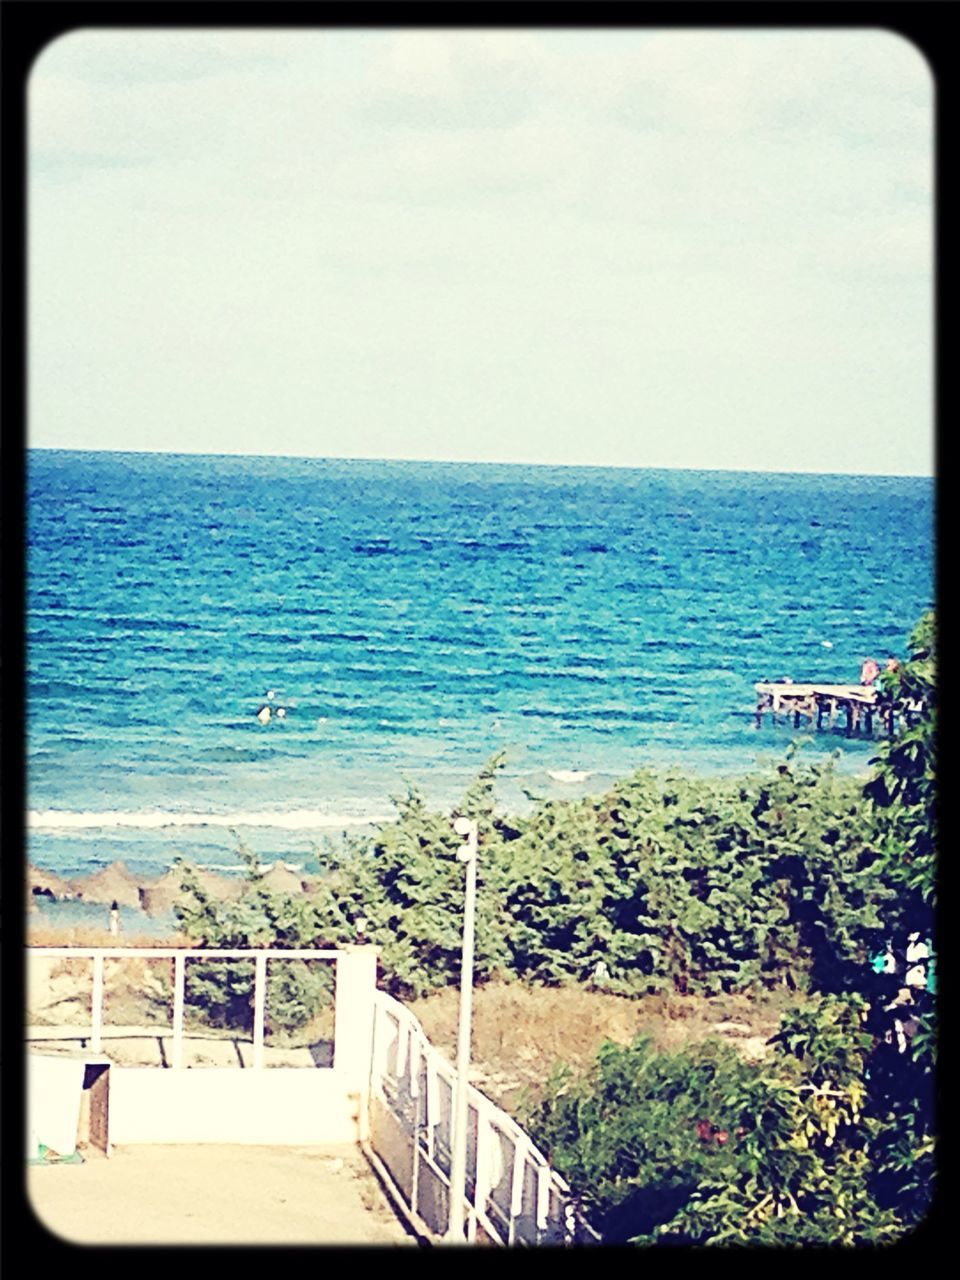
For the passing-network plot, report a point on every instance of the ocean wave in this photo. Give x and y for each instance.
(569, 775)
(287, 820)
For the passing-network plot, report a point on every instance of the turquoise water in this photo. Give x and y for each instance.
(411, 619)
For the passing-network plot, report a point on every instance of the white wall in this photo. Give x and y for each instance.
(278, 1105)
(275, 1106)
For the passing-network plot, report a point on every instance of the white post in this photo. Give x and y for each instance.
(96, 1010)
(458, 1156)
(483, 1187)
(543, 1198)
(516, 1186)
(179, 980)
(259, 1005)
(354, 1026)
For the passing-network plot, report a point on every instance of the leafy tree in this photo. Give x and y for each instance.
(794, 876)
(903, 795)
(903, 790)
(832, 1140)
(222, 990)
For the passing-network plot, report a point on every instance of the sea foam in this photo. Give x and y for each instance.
(287, 820)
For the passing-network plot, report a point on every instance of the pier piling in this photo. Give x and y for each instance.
(823, 702)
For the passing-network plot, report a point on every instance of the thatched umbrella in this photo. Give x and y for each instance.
(47, 883)
(115, 883)
(160, 896)
(281, 880)
(224, 888)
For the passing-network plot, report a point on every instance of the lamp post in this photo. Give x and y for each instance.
(458, 1156)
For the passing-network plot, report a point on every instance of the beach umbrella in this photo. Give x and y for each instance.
(224, 888)
(162, 894)
(48, 883)
(280, 880)
(115, 883)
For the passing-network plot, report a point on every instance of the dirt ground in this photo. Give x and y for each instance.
(520, 1032)
(216, 1195)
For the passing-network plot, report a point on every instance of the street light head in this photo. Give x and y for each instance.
(463, 826)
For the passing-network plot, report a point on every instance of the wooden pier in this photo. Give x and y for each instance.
(824, 704)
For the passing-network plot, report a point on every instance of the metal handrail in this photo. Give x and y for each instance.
(480, 1207)
(180, 955)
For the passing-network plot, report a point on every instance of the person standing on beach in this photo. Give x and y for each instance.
(869, 671)
(114, 918)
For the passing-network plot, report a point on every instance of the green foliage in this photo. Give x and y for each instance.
(699, 1147)
(406, 884)
(681, 885)
(221, 991)
(903, 791)
(696, 886)
(793, 877)
(832, 1139)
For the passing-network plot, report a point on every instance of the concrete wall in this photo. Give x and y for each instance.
(275, 1106)
(263, 1105)
(272, 1106)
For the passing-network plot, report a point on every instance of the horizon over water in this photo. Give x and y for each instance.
(412, 618)
(38, 450)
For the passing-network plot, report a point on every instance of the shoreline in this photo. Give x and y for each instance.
(117, 905)
(121, 857)
(576, 783)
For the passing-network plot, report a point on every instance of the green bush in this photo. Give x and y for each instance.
(699, 1147)
(832, 1141)
(794, 877)
(221, 991)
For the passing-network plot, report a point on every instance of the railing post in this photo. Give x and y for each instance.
(516, 1186)
(417, 1127)
(353, 1025)
(259, 1005)
(179, 984)
(482, 1184)
(543, 1199)
(96, 1003)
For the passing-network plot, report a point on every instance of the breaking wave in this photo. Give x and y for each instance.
(287, 820)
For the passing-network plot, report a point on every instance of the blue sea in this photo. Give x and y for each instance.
(410, 619)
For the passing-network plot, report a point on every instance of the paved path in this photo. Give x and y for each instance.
(216, 1195)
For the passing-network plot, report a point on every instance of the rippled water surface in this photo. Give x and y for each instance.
(410, 619)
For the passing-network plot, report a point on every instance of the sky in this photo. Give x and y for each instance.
(634, 247)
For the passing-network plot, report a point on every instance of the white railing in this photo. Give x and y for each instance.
(98, 1031)
(513, 1197)
(403, 1092)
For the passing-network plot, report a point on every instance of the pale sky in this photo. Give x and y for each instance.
(707, 249)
